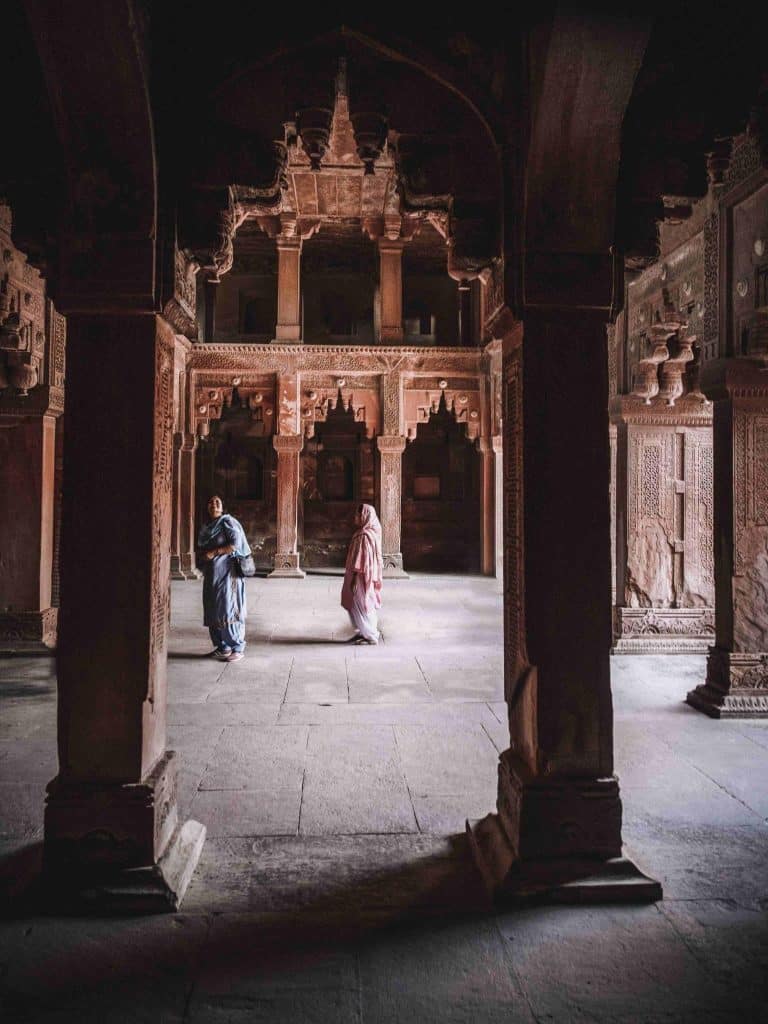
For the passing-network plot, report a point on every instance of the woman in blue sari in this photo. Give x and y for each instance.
(223, 588)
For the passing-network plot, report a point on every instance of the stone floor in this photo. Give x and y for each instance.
(335, 885)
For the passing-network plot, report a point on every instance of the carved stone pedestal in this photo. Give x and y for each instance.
(736, 686)
(120, 847)
(737, 667)
(556, 839)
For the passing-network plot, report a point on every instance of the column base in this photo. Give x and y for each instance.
(155, 889)
(287, 567)
(119, 845)
(663, 630)
(556, 839)
(28, 632)
(561, 880)
(736, 686)
(393, 567)
(183, 568)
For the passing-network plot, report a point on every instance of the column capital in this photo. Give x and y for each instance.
(288, 443)
(391, 443)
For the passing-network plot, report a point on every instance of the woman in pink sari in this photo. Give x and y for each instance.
(361, 593)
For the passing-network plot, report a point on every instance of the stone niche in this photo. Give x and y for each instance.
(663, 525)
(338, 467)
(441, 481)
(237, 460)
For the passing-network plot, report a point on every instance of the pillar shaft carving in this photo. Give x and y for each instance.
(288, 448)
(737, 667)
(391, 448)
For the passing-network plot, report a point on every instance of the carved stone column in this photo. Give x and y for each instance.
(487, 506)
(32, 355)
(559, 812)
(288, 287)
(111, 820)
(27, 458)
(737, 667)
(391, 448)
(288, 448)
(183, 533)
(391, 284)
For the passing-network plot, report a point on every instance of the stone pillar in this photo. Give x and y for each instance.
(391, 448)
(183, 531)
(498, 506)
(27, 458)
(487, 507)
(559, 812)
(112, 833)
(391, 285)
(737, 668)
(288, 448)
(288, 287)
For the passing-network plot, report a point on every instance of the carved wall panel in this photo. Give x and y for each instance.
(665, 536)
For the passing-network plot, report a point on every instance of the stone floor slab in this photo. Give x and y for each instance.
(354, 783)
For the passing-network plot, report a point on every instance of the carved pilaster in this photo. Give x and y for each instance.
(391, 448)
(288, 448)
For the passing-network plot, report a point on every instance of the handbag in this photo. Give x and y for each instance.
(245, 566)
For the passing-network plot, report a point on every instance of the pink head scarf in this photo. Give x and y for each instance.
(364, 559)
